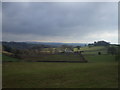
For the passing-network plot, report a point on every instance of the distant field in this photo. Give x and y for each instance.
(94, 50)
(60, 57)
(99, 72)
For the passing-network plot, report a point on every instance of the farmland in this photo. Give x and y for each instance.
(60, 44)
(101, 71)
(59, 57)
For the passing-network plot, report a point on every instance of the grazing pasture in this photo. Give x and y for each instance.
(94, 50)
(101, 71)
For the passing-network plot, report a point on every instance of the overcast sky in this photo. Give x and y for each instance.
(77, 22)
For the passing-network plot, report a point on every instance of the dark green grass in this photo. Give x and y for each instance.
(100, 58)
(103, 52)
(56, 57)
(94, 50)
(8, 58)
(99, 72)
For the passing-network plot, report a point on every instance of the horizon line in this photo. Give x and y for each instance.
(60, 42)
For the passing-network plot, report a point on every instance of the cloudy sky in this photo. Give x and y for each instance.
(81, 22)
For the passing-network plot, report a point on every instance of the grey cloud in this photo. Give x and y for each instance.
(59, 19)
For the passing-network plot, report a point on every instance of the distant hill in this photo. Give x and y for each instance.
(58, 44)
(28, 45)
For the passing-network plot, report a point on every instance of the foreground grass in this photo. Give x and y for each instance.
(100, 72)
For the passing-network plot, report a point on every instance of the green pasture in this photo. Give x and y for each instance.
(62, 57)
(94, 50)
(56, 57)
(8, 58)
(101, 71)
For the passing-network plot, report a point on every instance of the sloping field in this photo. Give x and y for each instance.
(94, 50)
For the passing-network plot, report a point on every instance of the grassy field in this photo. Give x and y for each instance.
(56, 57)
(101, 71)
(94, 50)
(8, 58)
(60, 57)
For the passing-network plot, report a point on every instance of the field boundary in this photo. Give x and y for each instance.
(64, 61)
